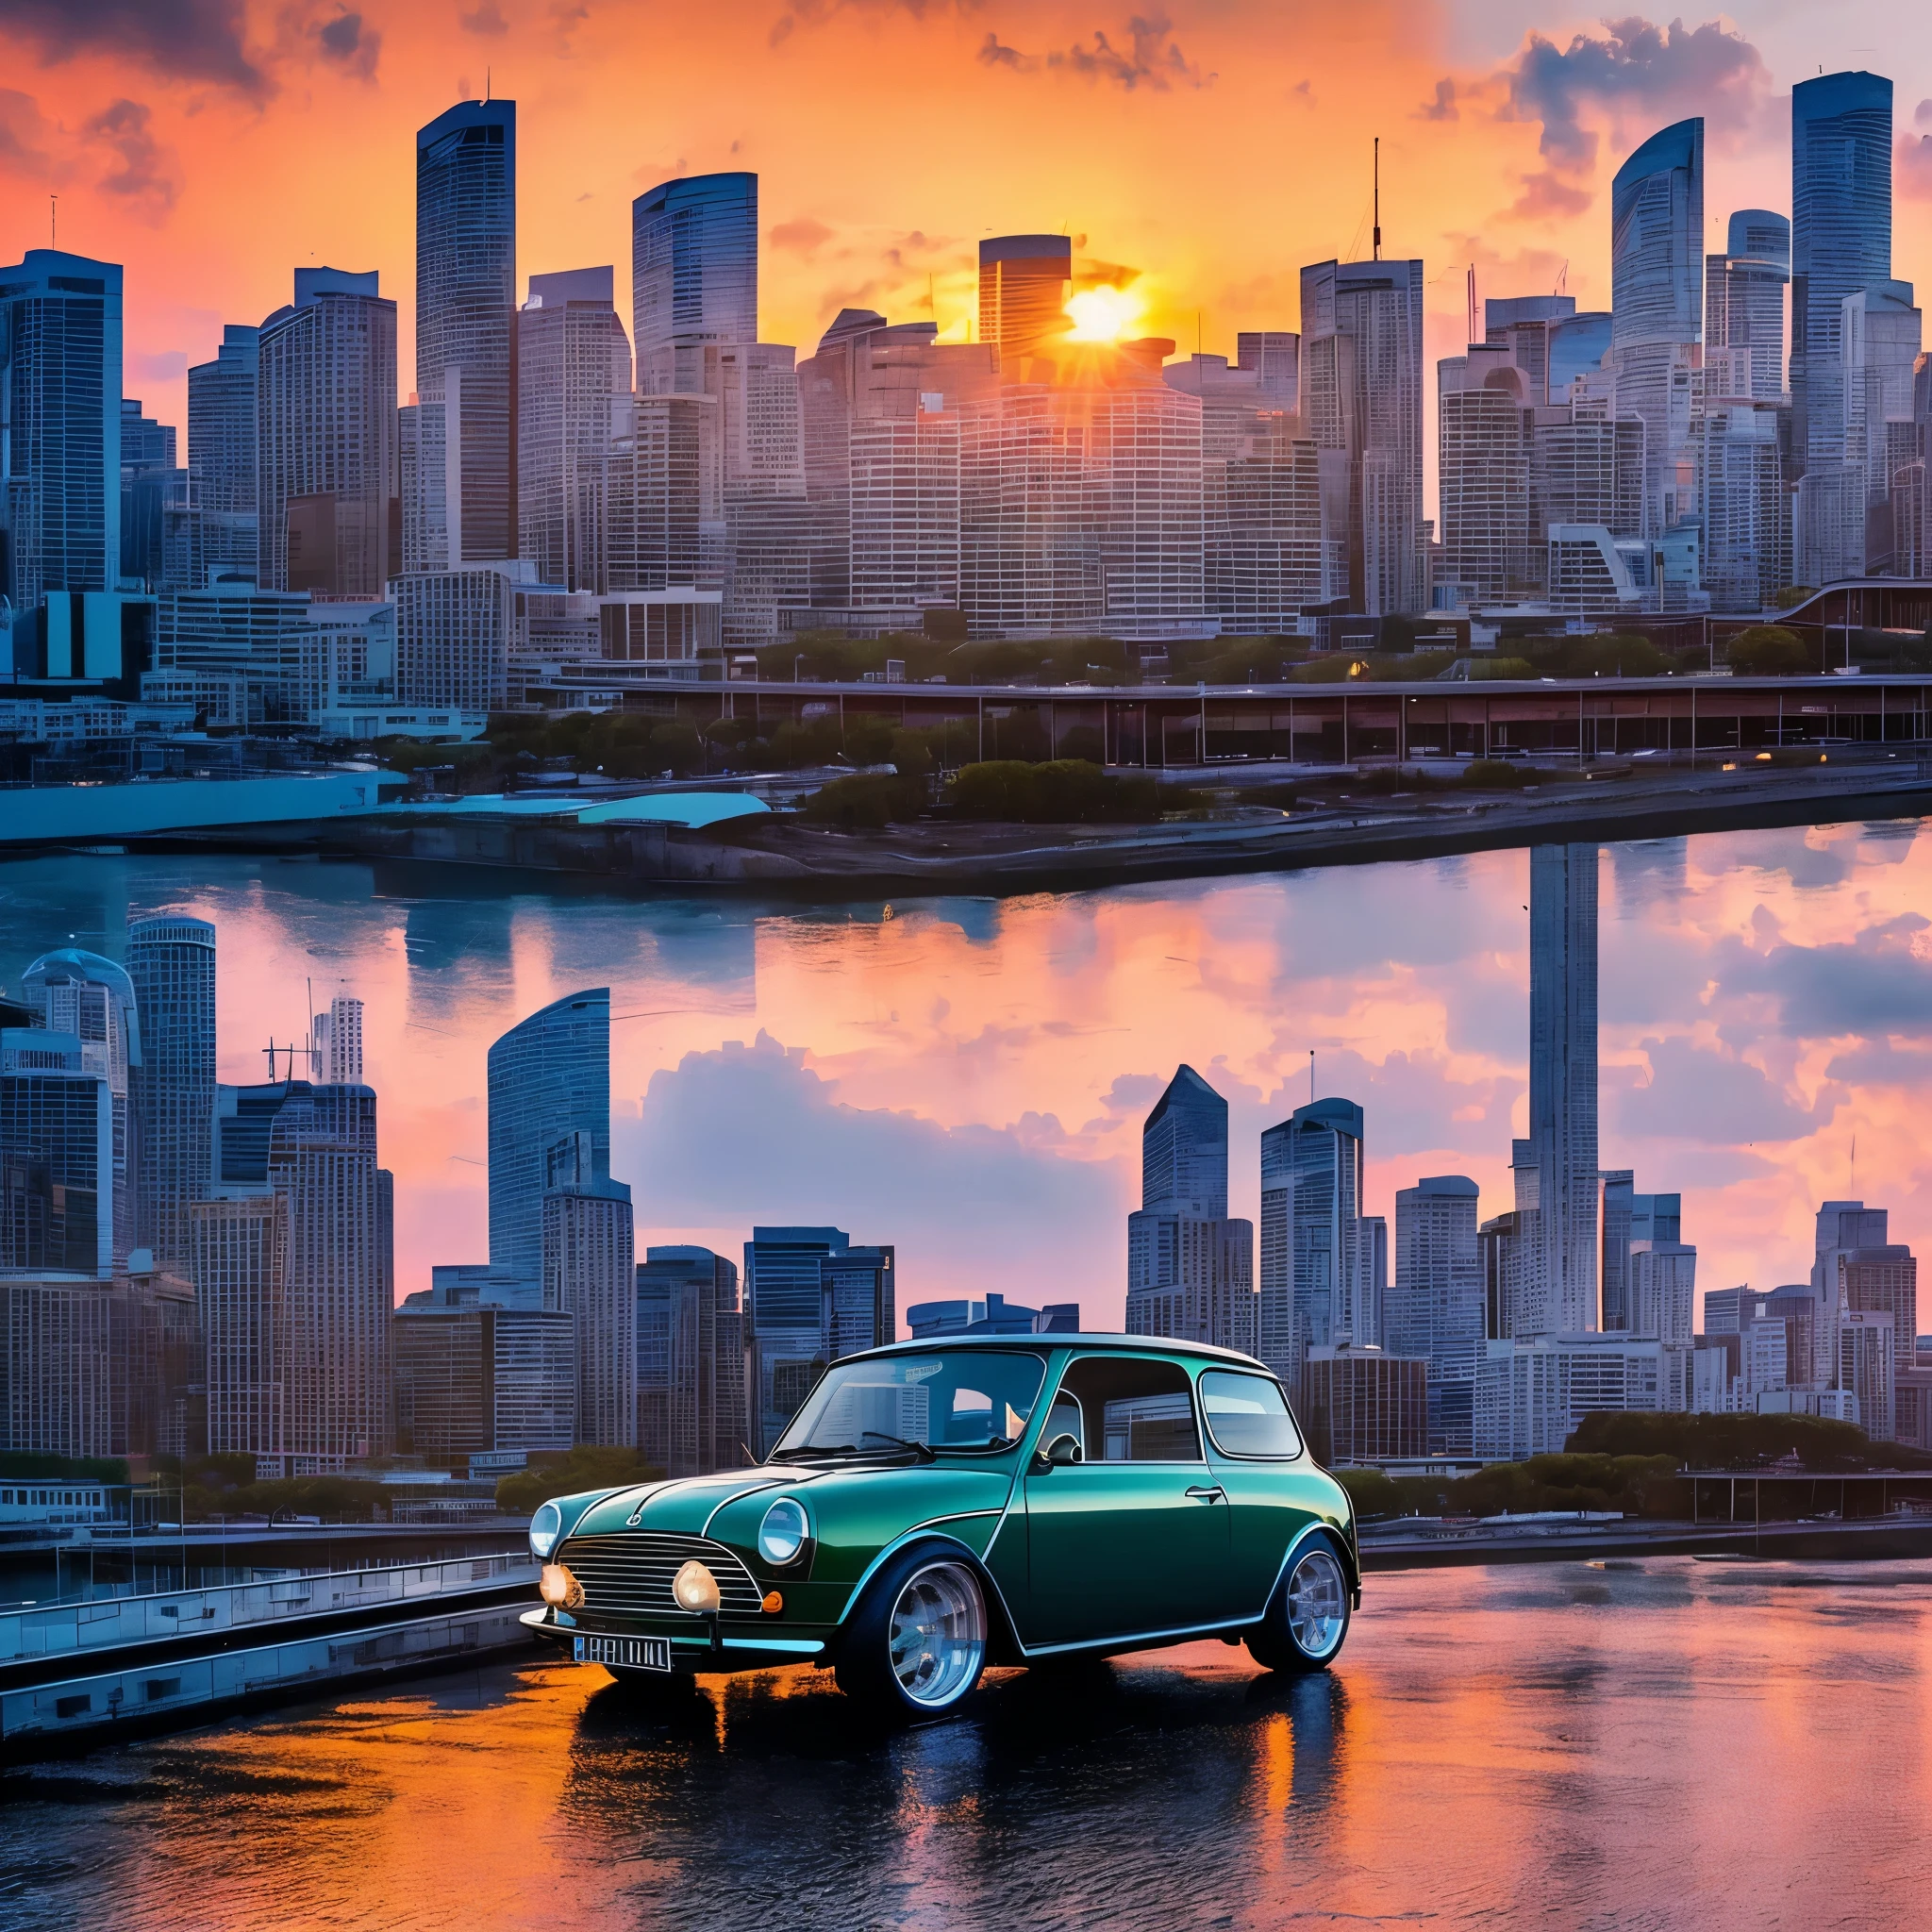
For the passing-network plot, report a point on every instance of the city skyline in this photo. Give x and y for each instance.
(833, 235)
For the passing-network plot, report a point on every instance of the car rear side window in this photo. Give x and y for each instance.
(1130, 1409)
(1247, 1415)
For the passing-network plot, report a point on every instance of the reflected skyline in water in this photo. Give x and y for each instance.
(966, 1077)
(1666, 1744)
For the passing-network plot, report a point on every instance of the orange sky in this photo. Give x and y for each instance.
(213, 145)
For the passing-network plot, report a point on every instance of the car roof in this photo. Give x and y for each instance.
(1141, 1344)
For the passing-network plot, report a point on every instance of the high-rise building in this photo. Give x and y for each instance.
(1023, 283)
(1362, 392)
(1435, 1308)
(1657, 306)
(1841, 241)
(56, 1155)
(695, 276)
(1316, 1287)
(335, 1052)
(456, 630)
(476, 1378)
(1663, 1289)
(811, 1296)
(222, 470)
(1184, 1148)
(1484, 404)
(1275, 524)
(60, 394)
(1562, 1281)
(326, 437)
(1360, 1404)
(665, 494)
(690, 1363)
(1880, 336)
(92, 999)
(235, 1252)
(338, 1276)
(1744, 307)
(573, 367)
(466, 248)
(1629, 1220)
(1532, 1392)
(147, 475)
(1745, 506)
(171, 964)
(549, 1078)
(589, 1273)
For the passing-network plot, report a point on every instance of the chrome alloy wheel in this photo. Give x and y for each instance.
(937, 1636)
(1318, 1604)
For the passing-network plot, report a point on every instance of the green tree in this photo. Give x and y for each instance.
(1769, 650)
(586, 1467)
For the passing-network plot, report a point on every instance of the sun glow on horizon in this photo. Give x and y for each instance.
(1103, 314)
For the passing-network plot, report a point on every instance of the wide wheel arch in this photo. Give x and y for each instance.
(1003, 1640)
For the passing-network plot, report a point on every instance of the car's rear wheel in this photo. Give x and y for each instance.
(1308, 1619)
(916, 1645)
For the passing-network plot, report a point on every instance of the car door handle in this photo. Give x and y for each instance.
(1211, 1493)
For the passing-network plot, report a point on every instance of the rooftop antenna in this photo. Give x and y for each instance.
(53, 221)
(1379, 219)
(486, 85)
(1472, 304)
(1311, 1077)
(1853, 1190)
(1562, 287)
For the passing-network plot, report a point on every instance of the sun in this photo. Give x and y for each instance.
(1103, 315)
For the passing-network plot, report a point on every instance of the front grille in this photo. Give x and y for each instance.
(629, 1576)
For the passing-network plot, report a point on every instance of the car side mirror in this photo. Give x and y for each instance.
(1062, 1450)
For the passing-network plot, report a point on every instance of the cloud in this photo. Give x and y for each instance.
(1143, 54)
(751, 1134)
(351, 45)
(24, 132)
(140, 170)
(487, 18)
(1879, 982)
(1698, 1095)
(1547, 196)
(159, 365)
(1914, 172)
(1443, 108)
(179, 39)
(803, 237)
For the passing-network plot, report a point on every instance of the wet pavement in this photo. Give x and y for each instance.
(1661, 1743)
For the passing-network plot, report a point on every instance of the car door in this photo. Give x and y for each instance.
(1257, 1458)
(1133, 1538)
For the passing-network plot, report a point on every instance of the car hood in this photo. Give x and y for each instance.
(687, 1504)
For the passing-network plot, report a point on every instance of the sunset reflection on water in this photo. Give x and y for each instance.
(966, 1078)
(1665, 1743)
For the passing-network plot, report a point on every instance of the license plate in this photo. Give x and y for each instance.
(626, 1652)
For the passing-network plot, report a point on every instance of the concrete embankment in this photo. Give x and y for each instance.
(787, 855)
(1396, 1546)
(75, 1671)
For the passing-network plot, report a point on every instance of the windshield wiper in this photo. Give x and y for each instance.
(924, 1451)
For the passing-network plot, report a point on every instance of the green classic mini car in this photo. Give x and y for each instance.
(936, 1506)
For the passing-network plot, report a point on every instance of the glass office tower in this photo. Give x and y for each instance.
(695, 276)
(466, 248)
(171, 961)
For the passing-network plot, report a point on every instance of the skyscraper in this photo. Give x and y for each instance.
(1841, 241)
(1317, 1285)
(695, 276)
(466, 248)
(335, 1055)
(589, 1274)
(221, 454)
(1880, 333)
(573, 366)
(1484, 401)
(325, 431)
(1362, 392)
(1745, 506)
(1023, 281)
(690, 1363)
(1436, 1307)
(1560, 1295)
(171, 964)
(1191, 1268)
(147, 470)
(1656, 306)
(549, 1077)
(1744, 307)
(91, 1000)
(56, 1156)
(59, 426)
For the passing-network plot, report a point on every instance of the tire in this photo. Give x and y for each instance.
(1307, 1621)
(915, 1648)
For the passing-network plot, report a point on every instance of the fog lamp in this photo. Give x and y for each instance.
(695, 1589)
(774, 1602)
(559, 1589)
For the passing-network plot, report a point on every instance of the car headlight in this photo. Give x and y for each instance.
(545, 1527)
(695, 1588)
(783, 1532)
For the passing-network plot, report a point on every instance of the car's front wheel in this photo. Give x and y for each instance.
(1308, 1619)
(916, 1645)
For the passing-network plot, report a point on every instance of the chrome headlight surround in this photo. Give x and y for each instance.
(545, 1527)
(785, 1533)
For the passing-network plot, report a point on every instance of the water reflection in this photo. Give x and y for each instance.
(1666, 1744)
(966, 1076)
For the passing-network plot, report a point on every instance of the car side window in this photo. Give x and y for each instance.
(1127, 1409)
(1247, 1415)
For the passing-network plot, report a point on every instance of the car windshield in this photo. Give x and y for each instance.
(942, 1400)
